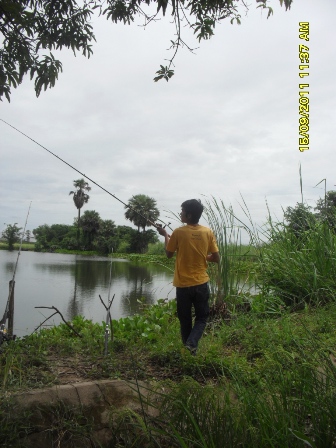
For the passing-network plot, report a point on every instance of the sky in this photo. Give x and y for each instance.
(225, 126)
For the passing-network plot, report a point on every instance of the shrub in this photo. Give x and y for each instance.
(156, 248)
(300, 269)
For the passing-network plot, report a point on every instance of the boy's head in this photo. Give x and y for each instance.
(193, 210)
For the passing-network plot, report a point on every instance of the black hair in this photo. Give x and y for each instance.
(193, 207)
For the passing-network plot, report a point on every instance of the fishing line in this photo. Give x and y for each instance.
(84, 175)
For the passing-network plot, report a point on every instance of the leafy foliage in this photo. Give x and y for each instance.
(326, 209)
(107, 238)
(79, 196)
(164, 73)
(299, 218)
(90, 224)
(141, 211)
(156, 248)
(131, 241)
(299, 270)
(11, 234)
(54, 237)
(125, 236)
(140, 240)
(96, 234)
(29, 26)
(154, 321)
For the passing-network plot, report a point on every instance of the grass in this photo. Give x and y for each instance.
(25, 246)
(257, 380)
(249, 345)
(263, 377)
(294, 268)
(232, 279)
(300, 269)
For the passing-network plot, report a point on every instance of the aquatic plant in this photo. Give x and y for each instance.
(227, 282)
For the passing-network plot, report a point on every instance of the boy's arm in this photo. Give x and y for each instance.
(213, 258)
(167, 238)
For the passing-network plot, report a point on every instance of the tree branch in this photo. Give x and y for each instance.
(45, 320)
(57, 311)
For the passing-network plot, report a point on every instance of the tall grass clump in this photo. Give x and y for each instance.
(229, 230)
(299, 268)
(292, 405)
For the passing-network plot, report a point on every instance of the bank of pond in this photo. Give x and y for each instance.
(259, 379)
(264, 375)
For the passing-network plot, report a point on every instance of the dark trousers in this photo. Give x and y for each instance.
(197, 296)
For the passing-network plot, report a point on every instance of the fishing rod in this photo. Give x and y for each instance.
(3, 331)
(91, 180)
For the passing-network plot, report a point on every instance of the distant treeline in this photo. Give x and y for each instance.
(95, 234)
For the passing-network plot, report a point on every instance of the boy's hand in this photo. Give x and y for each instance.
(161, 230)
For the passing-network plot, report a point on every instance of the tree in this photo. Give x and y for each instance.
(90, 223)
(28, 236)
(299, 218)
(80, 198)
(54, 237)
(29, 26)
(326, 209)
(11, 234)
(140, 209)
(125, 236)
(107, 238)
(140, 240)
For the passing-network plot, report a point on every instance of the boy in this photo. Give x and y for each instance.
(195, 245)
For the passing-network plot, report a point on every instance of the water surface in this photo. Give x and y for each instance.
(73, 283)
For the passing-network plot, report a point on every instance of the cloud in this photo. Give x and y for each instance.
(225, 125)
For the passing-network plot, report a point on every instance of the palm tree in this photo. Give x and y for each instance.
(80, 198)
(140, 209)
(90, 223)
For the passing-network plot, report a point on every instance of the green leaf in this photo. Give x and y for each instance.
(164, 73)
(162, 4)
(307, 441)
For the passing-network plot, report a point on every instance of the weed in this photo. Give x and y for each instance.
(301, 269)
(68, 427)
(14, 424)
(228, 283)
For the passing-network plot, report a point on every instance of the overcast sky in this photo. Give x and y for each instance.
(225, 125)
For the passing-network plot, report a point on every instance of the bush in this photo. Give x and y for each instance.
(300, 218)
(156, 248)
(300, 269)
(123, 247)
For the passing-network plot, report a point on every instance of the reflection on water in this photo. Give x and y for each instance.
(73, 284)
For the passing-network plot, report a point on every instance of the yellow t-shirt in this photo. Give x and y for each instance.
(192, 245)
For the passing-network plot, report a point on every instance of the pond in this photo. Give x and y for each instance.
(73, 283)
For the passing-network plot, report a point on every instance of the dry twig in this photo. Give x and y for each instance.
(57, 311)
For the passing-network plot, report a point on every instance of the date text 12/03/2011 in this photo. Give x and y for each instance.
(303, 93)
